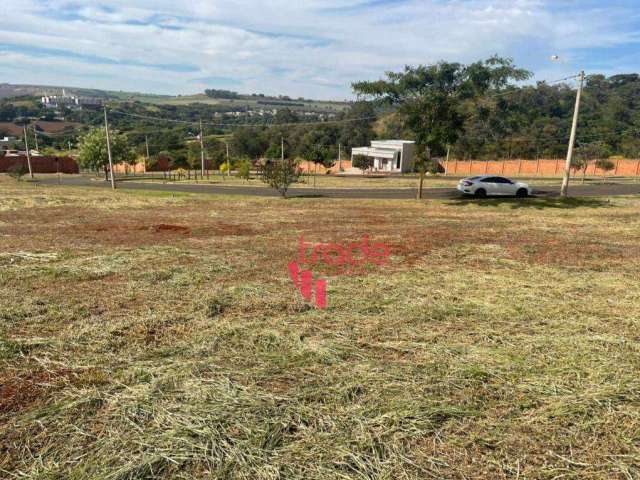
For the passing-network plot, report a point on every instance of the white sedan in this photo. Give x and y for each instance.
(484, 186)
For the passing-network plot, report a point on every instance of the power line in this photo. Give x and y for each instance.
(293, 124)
(562, 79)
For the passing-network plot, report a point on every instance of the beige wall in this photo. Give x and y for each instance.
(533, 168)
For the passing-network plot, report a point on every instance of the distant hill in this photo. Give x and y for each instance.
(240, 100)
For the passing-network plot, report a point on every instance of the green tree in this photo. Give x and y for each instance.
(274, 151)
(280, 174)
(319, 155)
(430, 98)
(605, 165)
(285, 115)
(93, 150)
(244, 169)
(17, 171)
(362, 162)
(250, 142)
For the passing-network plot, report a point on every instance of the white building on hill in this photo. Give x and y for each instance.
(394, 156)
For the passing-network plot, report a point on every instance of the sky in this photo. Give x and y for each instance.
(302, 48)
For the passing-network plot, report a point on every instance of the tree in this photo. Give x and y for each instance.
(274, 151)
(249, 142)
(585, 154)
(362, 162)
(93, 150)
(244, 169)
(318, 155)
(17, 171)
(285, 115)
(359, 131)
(605, 165)
(280, 174)
(227, 94)
(430, 99)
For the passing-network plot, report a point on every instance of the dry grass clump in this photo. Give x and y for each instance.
(500, 340)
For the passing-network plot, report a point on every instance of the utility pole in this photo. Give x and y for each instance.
(26, 146)
(564, 191)
(201, 151)
(146, 143)
(35, 136)
(282, 147)
(228, 163)
(446, 166)
(106, 127)
(69, 143)
(339, 157)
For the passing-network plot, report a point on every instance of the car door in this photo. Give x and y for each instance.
(505, 186)
(491, 186)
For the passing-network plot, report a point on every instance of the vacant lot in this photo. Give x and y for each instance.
(158, 336)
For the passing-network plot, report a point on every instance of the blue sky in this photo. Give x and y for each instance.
(310, 48)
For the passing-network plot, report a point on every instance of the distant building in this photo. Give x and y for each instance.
(389, 155)
(6, 142)
(69, 101)
(22, 153)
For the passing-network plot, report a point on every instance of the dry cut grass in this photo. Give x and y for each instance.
(158, 336)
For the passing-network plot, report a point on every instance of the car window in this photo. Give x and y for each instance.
(502, 180)
(490, 180)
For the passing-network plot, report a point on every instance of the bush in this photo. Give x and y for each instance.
(244, 169)
(605, 164)
(362, 162)
(180, 173)
(17, 171)
(434, 167)
(280, 174)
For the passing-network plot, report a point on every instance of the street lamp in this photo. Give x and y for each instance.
(564, 190)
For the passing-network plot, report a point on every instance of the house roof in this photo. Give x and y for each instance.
(375, 152)
(12, 129)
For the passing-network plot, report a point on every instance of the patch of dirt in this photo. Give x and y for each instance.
(163, 227)
(227, 229)
(19, 393)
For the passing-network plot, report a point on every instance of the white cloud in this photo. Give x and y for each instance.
(312, 48)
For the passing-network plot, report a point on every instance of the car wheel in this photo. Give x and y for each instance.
(481, 193)
(522, 193)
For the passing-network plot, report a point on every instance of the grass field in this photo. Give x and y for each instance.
(149, 336)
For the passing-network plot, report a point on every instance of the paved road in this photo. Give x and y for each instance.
(373, 193)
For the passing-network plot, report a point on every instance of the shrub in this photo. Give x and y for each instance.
(280, 174)
(17, 171)
(362, 162)
(180, 172)
(244, 169)
(605, 164)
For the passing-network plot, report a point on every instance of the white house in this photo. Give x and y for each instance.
(389, 155)
(5, 142)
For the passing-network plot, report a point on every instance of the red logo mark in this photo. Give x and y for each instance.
(345, 259)
(303, 281)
